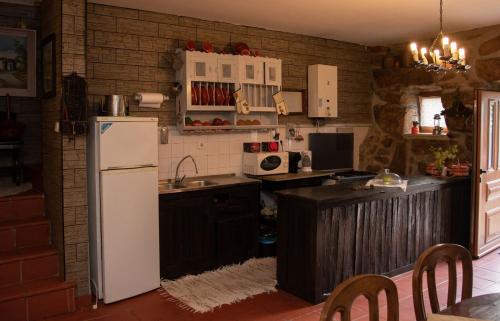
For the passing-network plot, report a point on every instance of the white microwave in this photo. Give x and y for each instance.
(265, 163)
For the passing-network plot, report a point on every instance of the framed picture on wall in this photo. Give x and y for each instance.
(49, 66)
(17, 62)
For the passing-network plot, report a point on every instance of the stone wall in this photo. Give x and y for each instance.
(27, 109)
(132, 50)
(396, 92)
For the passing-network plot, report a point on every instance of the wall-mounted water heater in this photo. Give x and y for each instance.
(322, 91)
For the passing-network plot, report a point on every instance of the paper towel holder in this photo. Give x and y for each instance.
(138, 98)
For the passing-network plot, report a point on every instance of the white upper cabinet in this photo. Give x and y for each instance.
(272, 71)
(201, 66)
(251, 70)
(227, 69)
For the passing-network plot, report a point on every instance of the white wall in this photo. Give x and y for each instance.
(222, 153)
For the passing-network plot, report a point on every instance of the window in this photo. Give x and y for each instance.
(430, 106)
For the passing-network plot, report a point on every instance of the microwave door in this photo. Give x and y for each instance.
(270, 163)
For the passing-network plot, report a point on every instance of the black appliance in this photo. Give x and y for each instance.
(332, 151)
(349, 176)
(293, 162)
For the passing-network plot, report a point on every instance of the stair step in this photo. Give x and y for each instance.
(20, 266)
(26, 205)
(19, 234)
(36, 300)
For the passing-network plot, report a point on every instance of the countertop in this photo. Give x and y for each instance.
(353, 191)
(292, 176)
(219, 181)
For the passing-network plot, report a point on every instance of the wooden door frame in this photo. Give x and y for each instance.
(476, 177)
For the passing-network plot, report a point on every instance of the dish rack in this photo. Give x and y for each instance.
(208, 82)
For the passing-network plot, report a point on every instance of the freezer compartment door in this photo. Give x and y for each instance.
(127, 144)
(130, 232)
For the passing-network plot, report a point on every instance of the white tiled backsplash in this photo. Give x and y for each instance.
(222, 153)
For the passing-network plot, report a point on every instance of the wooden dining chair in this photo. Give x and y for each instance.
(427, 262)
(368, 285)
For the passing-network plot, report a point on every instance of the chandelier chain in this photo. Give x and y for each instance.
(441, 15)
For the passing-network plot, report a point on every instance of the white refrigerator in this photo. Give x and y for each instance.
(123, 206)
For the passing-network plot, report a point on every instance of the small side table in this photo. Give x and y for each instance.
(16, 150)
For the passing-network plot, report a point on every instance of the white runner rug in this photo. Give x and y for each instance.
(204, 292)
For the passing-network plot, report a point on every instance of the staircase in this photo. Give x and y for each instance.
(31, 284)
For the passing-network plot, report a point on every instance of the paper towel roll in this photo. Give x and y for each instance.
(150, 100)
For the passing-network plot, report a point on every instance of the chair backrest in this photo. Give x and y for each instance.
(427, 262)
(368, 285)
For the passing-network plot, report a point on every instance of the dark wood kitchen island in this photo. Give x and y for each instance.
(327, 234)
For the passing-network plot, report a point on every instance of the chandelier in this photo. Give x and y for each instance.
(442, 56)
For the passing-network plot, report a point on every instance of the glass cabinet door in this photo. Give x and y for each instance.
(273, 72)
(227, 69)
(251, 70)
(202, 67)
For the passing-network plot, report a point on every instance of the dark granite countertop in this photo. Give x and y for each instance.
(356, 191)
(292, 176)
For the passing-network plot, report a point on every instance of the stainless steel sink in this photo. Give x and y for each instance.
(170, 186)
(198, 183)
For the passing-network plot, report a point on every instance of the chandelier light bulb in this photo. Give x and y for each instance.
(454, 50)
(461, 55)
(446, 46)
(437, 57)
(414, 51)
(423, 52)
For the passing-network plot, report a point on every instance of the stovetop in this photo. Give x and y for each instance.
(353, 175)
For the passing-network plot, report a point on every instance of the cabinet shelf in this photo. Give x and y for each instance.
(242, 127)
(263, 109)
(205, 128)
(210, 108)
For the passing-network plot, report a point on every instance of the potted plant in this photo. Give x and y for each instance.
(441, 157)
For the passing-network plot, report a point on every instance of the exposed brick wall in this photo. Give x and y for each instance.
(64, 157)
(27, 109)
(131, 50)
(74, 164)
(51, 141)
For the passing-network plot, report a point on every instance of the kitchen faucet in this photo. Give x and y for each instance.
(177, 180)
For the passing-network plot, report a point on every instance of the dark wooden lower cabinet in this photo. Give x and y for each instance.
(236, 239)
(330, 233)
(186, 244)
(206, 229)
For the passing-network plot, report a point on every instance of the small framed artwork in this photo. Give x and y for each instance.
(17, 62)
(296, 101)
(49, 66)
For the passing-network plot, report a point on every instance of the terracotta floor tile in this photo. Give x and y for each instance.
(282, 306)
(487, 274)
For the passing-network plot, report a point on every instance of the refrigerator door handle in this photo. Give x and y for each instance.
(130, 167)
